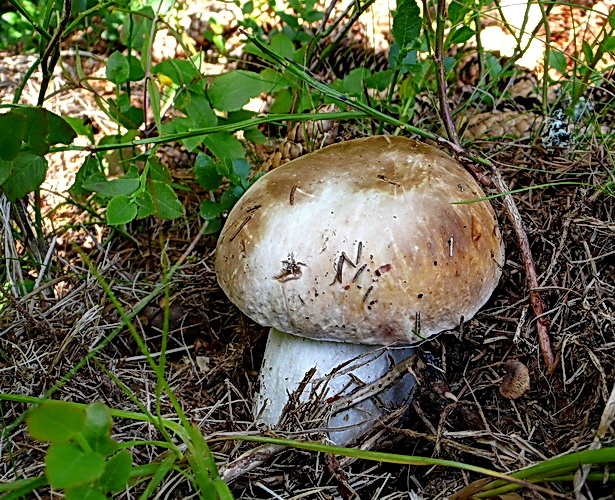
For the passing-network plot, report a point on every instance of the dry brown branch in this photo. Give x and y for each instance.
(542, 324)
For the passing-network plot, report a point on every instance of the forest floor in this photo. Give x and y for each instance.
(214, 354)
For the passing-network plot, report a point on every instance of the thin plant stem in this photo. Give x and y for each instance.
(39, 29)
(24, 80)
(157, 421)
(445, 109)
(229, 127)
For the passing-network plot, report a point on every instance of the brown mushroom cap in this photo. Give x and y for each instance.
(361, 242)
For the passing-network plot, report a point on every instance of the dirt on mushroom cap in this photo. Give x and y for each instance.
(362, 242)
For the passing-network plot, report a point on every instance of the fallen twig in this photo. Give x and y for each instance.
(542, 323)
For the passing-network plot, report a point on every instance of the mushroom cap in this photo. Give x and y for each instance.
(362, 242)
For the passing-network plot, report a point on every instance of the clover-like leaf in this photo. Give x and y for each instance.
(66, 465)
(99, 184)
(117, 472)
(210, 209)
(224, 146)
(84, 492)
(55, 422)
(97, 428)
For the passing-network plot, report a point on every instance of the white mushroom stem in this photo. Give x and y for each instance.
(341, 369)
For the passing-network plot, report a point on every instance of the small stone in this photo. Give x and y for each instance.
(516, 382)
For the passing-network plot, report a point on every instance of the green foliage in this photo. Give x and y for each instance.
(82, 459)
(232, 91)
(26, 134)
(407, 23)
(209, 174)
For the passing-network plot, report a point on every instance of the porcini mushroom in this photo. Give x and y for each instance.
(361, 244)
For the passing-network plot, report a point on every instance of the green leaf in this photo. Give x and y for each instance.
(199, 111)
(155, 100)
(136, 31)
(587, 51)
(353, 83)
(222, 489)
(254, 135)
(462, 34)
(37, 129)
(121, 210)
(609, 44)
(233, 90)
(231, 196)
(99, 184)
(282, 46)
(44, 129)
(180, 71)
(90, 166)
(145, 205)
(179, 125)
(80, 128)
(118, 68)
(12, 132)
(67, 466)
(558, 61)
(224, 145)
(210, 209)
(165, 200)
(29, 172)
(85, 492)
(283, 102)
(60, 131)
(55, 422)
(494, 68)
(136, 72)
(206, 173)
(158, 171)
(117, 472)
(380, 80)
(97, 427)
(457, 11)
(159, 475)
(240, 172)
(406, 23)
(274, 81)
(213, 226)
(6, 168)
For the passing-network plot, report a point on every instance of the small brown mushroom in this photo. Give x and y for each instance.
(516, 382)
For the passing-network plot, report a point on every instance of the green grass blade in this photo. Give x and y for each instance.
(22, 487)
(163, 470)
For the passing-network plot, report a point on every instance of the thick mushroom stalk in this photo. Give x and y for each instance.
(374, 241)
(341, 369)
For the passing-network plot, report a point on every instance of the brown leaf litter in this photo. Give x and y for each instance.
(214, 353)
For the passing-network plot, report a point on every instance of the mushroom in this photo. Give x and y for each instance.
(359, 245)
